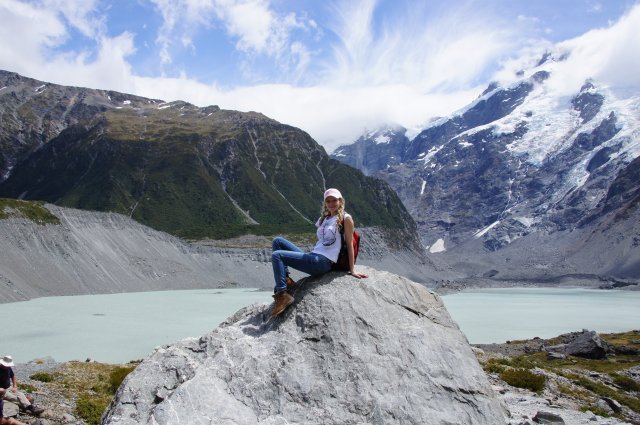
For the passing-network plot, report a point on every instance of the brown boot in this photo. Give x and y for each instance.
(282, 300)
(290, 282)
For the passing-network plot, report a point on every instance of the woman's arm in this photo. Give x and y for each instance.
(348, 236)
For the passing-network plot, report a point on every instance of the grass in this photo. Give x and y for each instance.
(27, 387)
(42, 377)
(625, 382)
(603, 390)
(594, 409)
(91, 385)
(523, 378)
(31, 210)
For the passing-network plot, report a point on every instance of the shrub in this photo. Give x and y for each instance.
(523, 378)
(117, 376)
(42, 377)
(493, 367)
(625, 382)
(27, 387)
(595, 410)
(90, 408)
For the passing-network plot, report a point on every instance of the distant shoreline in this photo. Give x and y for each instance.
(565, 282)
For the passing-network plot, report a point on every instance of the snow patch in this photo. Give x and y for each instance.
(40, 89)
(464, 144)
(525, 221)
(126, 102)
(424, 183)
(164, 105)
(382, 140)
(482, 232)
(428, 156)
(438, 246)
(2, 88)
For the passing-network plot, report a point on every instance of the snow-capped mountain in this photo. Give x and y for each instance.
(522, 159)
(375, 150)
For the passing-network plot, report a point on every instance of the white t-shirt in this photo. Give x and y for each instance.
(329, 238)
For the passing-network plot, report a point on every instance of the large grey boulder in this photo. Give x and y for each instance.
(348, 351)
(588, 345)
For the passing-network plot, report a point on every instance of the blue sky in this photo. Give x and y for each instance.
(332, 68)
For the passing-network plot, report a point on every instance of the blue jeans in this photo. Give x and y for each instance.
(285, 255)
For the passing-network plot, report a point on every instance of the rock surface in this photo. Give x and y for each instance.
(588, 345)
(378, 350)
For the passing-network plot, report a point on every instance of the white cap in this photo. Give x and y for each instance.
(332, 192)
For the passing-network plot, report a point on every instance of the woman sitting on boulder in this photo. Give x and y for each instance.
(320, 260)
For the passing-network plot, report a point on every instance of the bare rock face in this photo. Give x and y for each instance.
(378, 350)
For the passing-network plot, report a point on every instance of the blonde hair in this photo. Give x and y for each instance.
(326, 213)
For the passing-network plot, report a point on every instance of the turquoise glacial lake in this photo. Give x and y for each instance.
(117, 328)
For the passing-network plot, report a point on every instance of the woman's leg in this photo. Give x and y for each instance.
(280, 269)
(313, 264)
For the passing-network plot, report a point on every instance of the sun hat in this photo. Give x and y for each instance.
(7, 361)
(332, 192)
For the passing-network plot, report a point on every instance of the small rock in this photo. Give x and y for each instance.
(499, 389)
(604, 406)
(614, 405)
(67, 418)
(547, 418)
(10, 409)
(557, 348)
(552, 355)
(477, 351)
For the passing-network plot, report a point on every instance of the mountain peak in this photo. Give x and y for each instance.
(524, 158)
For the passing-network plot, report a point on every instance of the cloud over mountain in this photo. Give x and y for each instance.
(331, 69)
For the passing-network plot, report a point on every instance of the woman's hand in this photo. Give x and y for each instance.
(358, 275)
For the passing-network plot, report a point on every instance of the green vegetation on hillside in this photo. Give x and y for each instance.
(200, 173)
(31, 210)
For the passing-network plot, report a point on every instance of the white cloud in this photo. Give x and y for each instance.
(252, 23)
(332, 115)
(256, 28)
(80, 14)
(608, 55)
(404, 72)
(446, 51)
(19, 48)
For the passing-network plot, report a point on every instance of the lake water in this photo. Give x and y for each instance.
(121, 327)
(499, 315)
(115, 328)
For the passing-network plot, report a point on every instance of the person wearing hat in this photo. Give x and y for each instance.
(320, 260)
(9, 384)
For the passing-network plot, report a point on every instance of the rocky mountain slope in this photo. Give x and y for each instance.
(49, 250)
(521, 165)
(192, 172)
(381, 350)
